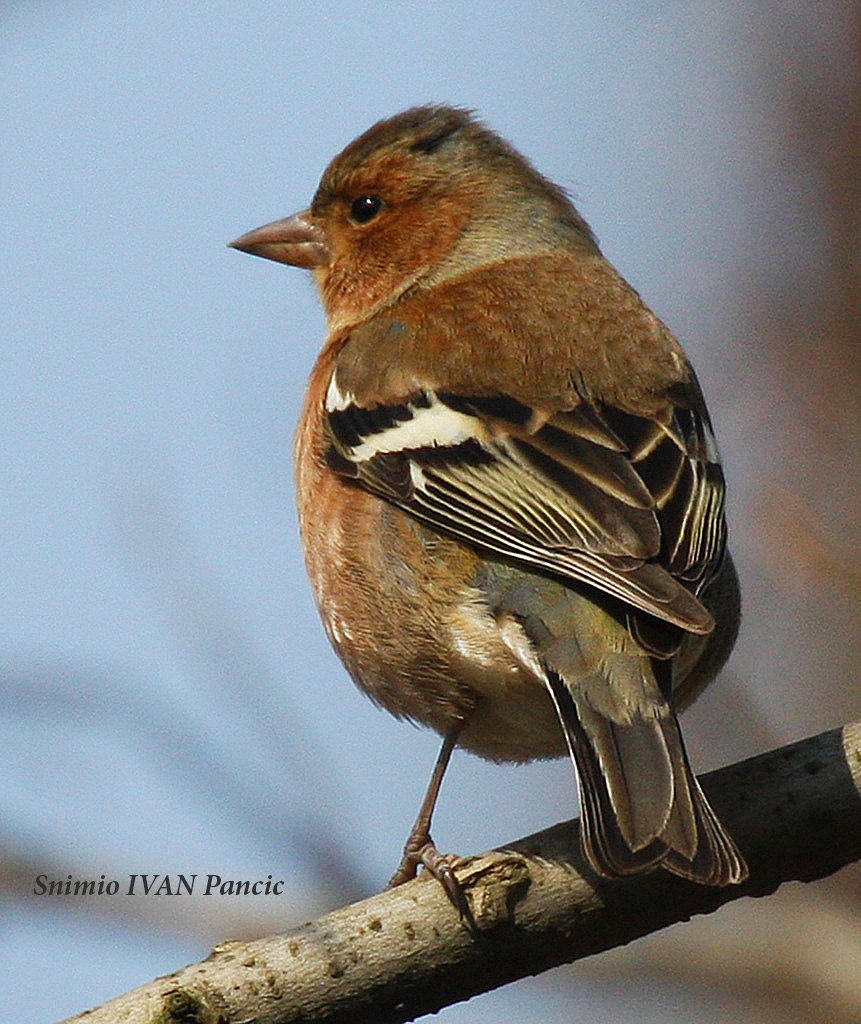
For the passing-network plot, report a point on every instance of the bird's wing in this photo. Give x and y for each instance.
(630, 505)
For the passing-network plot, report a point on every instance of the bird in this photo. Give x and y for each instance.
(510, 497)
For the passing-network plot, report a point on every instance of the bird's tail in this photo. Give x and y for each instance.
(641, 805)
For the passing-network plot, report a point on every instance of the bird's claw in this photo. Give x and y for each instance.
(420, 850)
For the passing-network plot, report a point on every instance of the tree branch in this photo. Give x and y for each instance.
(795, 813)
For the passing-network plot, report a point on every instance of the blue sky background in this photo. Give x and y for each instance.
(169, 699)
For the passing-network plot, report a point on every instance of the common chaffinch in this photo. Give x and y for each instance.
(509, 493)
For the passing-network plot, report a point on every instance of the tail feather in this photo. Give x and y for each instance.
(641, 805)
(640, 802)
(717, 860)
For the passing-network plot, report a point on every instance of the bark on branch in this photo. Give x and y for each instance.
(795, 813)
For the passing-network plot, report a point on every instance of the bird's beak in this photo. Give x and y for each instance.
(296, 240)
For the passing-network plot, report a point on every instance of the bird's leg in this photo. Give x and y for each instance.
(419, 847)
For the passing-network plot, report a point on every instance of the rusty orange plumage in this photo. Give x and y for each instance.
(510, 498)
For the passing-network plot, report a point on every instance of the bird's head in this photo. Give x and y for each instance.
(424, 195)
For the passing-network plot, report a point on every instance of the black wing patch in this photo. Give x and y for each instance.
(630, 505)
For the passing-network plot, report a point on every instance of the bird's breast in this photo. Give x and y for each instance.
(400, 609)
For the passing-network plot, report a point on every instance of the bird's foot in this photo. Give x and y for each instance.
(420, 850)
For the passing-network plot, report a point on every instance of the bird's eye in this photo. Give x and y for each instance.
(365, 208)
